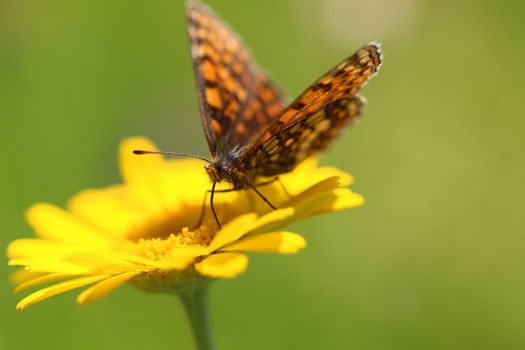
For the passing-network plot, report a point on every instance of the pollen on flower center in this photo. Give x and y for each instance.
(158, 249)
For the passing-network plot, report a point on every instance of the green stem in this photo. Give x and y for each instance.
(196, 305)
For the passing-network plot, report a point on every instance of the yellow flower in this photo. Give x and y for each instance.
(142, 231)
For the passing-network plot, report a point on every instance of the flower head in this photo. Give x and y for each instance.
(144, 232)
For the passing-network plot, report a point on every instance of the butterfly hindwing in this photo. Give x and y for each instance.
(310, 123)
(237, 101)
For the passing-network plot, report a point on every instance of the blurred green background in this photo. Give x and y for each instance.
(434, 259)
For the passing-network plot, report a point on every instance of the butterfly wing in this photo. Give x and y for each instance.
(236, 99)
(309, 124)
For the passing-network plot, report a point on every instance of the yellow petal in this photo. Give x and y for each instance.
(272, 219)
(112, 209)
(272, 242)
(222, 265)
(135, 259)
(57, 289)
(278, 219)
(53, 223)
(22, 275)
(232, 231)
(101, 262)
(326, 185)
(38, 252)
(191, 181)
(28, 247)
(308, 173)
(49, 265)
(325, 172)
(103, 288)
(347, 199)
(308, 164)
(40, 280)
(344, 199)
(144, 174)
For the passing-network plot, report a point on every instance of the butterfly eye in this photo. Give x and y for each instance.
(213, 173)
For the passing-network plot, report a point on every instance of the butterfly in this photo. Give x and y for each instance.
(251, 131)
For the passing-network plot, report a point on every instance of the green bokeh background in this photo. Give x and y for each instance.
(433, 260)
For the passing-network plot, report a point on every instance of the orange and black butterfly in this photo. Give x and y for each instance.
(250, 129)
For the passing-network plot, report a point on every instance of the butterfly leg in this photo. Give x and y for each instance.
(203, 211)
(213, 191)
(211, 205)
(203, 207)
(262, 196)
(278, 179)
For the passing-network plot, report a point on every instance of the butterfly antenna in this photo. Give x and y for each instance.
(141, 152)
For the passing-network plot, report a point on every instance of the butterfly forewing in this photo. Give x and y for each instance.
(236, 99)
(310, 123)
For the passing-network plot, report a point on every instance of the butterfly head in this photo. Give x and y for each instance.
(216, 172)
(227, 168)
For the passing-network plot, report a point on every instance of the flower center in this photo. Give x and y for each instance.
(161, 233)
(165, 225)
(158, 249)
